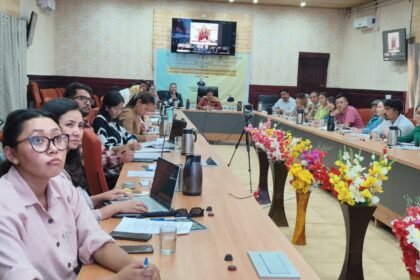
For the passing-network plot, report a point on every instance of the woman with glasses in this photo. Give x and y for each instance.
(45, 225)
(133, 117)
(70, 121)
(108, 127)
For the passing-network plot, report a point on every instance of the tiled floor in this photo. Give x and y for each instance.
(325, 232)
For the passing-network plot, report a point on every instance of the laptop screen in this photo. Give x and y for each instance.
(164, 182)
(177, 128)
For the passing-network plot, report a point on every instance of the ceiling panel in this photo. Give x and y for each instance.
(309, 3)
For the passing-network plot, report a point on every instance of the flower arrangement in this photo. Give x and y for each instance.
(307, 170)
(273, 141)
(353, 185)
(407, 231)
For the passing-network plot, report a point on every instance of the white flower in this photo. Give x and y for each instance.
(372, 157)
(413, 237)
(304, 163)
(418, 265)
(358, 197)
(374, 200)
(346, 156)
(384, 170)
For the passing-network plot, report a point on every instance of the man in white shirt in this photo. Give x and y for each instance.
(285, 105)
(393, 117)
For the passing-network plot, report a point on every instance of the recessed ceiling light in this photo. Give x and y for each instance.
(302, 4)
(231, 1)
(255, 1)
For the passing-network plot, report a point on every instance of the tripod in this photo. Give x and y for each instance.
(248, 144)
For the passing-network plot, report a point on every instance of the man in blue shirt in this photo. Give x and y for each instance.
(285, 105)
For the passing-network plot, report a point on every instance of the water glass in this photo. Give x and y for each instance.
(375, 136)
(178, 143)
(167, 239)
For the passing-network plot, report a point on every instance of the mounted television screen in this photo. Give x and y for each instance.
(395, 46)
(31, 28)
(203, 36)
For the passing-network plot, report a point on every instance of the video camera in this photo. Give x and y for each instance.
(247, 112)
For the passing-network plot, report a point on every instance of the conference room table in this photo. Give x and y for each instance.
(404, 178)
(239, 225)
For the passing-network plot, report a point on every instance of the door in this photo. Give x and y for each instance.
(312, 71)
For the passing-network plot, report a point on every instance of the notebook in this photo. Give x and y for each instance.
(273, 265)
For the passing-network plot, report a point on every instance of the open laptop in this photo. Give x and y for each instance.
(177, 129)
(159, 201)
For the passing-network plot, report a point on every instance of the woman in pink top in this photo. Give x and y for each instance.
(45, 225)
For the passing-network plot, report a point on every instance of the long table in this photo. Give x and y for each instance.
(404, 178)
(239, 226)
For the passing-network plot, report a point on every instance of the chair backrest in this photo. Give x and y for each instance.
(410, 113)
(268, 100)
(98, 103)
(60, 91)
(163, 94)
(365, 114)
(36, 96)
(92, 162)
(92, 115)
(48, 94)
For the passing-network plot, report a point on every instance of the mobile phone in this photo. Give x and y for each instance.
(138, 249)
(131, 236)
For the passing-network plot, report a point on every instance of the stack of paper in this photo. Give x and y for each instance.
(150, 226)
(273, 265)
(141, 174)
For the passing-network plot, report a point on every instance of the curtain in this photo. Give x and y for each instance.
(413, 75)
(13, 78)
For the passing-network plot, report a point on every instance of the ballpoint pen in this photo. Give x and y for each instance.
(146, 262)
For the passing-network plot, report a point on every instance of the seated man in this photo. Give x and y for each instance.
(393, 117)
(174, 98)
(209, 101)
(302, 103)
(313, 106)
(285, 105)
(347, 115)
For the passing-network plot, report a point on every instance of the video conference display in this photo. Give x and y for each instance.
(203, 36)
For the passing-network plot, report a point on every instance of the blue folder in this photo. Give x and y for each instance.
(273, 265)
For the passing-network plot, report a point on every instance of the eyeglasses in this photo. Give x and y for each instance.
(1, 122)
(85, 99)
(194, 212)
(40, 144)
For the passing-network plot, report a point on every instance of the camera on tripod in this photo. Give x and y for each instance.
(247, 112)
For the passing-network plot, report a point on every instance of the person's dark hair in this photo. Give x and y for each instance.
(324, 94)
(111, 99)
(331, 99)
(60, 106)
(317, 94)
(340, 95)
(14, 127)
(71, 89)
(301, 95)
(171, 84)
(285, 91)
(395, 104)
(145, 98)
(73, 164)
(114, 87)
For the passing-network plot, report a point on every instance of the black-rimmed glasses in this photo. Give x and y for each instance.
(85, 99)
(194, 212)
(40, 144)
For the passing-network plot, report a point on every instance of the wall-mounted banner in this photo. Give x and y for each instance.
(229, 73)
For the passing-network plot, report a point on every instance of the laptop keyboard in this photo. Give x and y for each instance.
(152, 204)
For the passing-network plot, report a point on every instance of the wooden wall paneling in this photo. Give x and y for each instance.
(415, 21)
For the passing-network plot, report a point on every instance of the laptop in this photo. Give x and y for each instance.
(163, 188)
(176, 130)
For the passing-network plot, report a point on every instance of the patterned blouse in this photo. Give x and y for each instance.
(111, 134)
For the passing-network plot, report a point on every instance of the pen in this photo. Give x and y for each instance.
(146, 262)
(167, 220)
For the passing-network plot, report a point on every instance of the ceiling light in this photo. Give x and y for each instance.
(255, 1)
(302, 4)
(231, 1)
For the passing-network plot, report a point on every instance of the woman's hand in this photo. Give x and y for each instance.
(136, 271)
(113, 194)
(131, 206)
(127, 155)
(133, 146)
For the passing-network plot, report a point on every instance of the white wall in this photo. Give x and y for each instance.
(362, 65)
(41, 55)
(113, 38)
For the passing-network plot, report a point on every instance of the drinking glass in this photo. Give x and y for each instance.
(178, 143)
(167, 239)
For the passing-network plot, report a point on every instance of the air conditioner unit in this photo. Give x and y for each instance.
(368, 22)
(48, 5)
